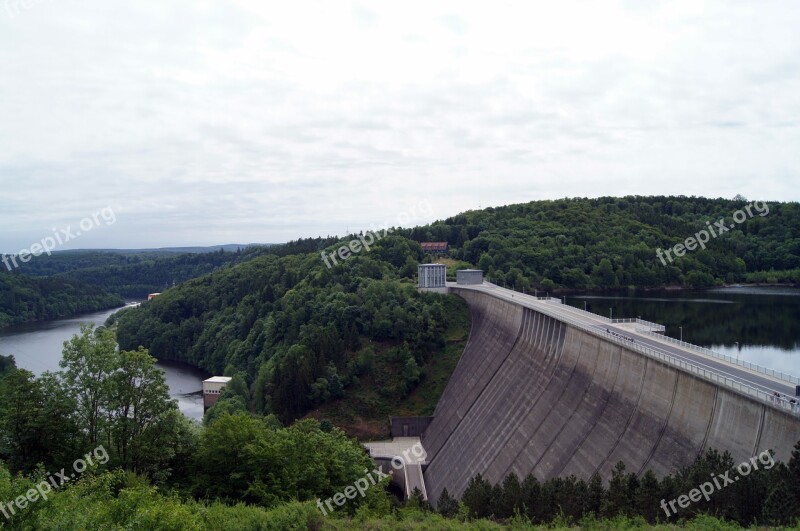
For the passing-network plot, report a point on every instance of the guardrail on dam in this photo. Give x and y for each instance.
(544, 393)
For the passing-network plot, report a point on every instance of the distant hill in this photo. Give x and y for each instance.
(133, 273)
(613, 242)
(24, 299)
(228, 247)
(72, 282)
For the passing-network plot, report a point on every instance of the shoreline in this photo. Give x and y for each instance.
(567, 291)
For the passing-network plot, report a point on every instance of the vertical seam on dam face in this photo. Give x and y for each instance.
(509, 422)
(575, 410)
(518, 429)
(597, 417)
(663, 429)
(760, 430)
(630, 417)
(710, 421)
(532, 394)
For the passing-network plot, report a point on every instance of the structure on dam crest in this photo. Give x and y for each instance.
(547, 389)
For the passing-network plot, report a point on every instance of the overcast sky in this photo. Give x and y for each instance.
(205, 122)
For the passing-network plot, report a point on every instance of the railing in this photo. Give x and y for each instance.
(649, 324)
(762, 396)
(794, 380)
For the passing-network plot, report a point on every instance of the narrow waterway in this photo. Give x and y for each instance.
(37, 347)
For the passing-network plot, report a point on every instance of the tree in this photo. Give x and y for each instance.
(411, 374)
(794, 472)
(478, 497)
(88, 360)
(511, 499)
(20, 429)
(531, 497)
(780, 507)
(138, 400)
(647, 497)
(603, 274)
(7, 363)
(447, 506)
(224, 469)
(597, 494)
(618, 500)
(230, 404)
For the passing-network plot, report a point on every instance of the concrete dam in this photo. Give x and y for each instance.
(548, 389)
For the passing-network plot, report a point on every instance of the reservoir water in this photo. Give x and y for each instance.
(37, 347)
(760, 325)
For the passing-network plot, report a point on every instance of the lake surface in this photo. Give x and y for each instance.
(759, 325)
(37, 347)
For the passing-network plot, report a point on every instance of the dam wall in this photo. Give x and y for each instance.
(533, 394)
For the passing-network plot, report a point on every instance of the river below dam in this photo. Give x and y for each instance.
(37, 347)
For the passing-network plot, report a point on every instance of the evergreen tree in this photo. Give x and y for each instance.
(478, 497)
(648, 497)
(447, 506)
(618, 500)
(780, 507)
(511, 499)
(596, 495)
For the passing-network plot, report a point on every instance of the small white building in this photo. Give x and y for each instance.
(432, 275)
(469, 277)
(212, 388)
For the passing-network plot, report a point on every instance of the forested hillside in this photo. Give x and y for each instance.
(611, 242)
(24, 298)
(69, 283)
(296, 333)
(133, 274)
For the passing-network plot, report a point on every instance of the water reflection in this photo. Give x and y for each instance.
(759, 325)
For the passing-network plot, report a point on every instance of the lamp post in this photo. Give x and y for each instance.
(737, 349)
(584, 306)
(611, 313)
(681, 332)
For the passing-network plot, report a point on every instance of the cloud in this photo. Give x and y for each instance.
(205, 122)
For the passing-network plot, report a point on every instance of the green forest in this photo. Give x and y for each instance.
(611, 242)
(584, 244)
(296, 335)
(74, 282)
(139, 464)
(24, 298)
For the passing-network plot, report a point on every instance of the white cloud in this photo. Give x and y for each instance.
(206, 122)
